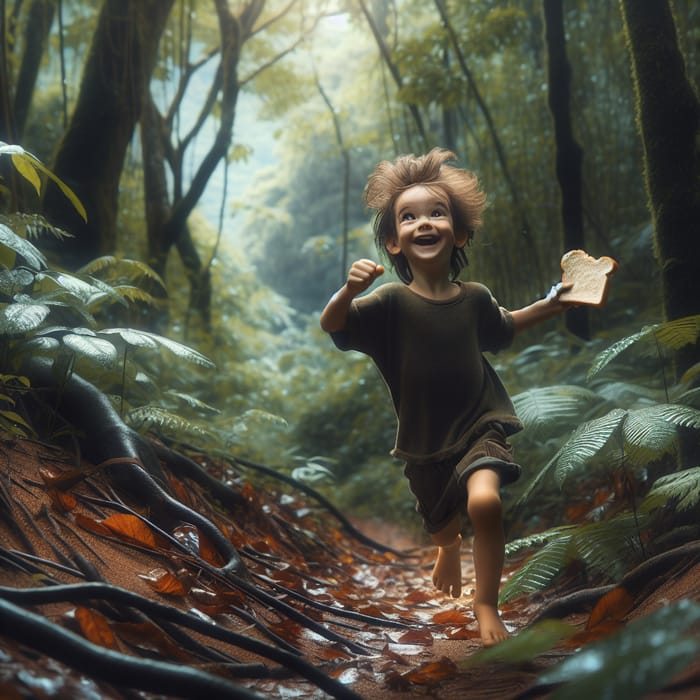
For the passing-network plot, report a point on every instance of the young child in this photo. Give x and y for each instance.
(426, 336)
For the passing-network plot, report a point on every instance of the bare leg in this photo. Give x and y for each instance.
(485, 513)
(447, 572)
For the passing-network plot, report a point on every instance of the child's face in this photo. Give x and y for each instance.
(424, 227)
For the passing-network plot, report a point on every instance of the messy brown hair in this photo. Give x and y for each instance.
(466, 199)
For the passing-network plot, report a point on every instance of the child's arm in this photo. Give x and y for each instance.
(540, 311)
(362, 274)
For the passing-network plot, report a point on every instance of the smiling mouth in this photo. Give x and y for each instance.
(426, 240)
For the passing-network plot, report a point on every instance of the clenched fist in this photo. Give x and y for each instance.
(361, 275)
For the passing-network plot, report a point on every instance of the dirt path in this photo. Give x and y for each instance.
(417, 652)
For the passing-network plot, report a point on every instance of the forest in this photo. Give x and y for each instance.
(197, 496)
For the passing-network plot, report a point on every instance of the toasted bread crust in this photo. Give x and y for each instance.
(589, 277)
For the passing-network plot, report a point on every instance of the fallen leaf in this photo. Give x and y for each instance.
(433, 672)
(613, 606)
(454, 617)
(129, 527)
(96, 628)
(418, 636)
(164, 582)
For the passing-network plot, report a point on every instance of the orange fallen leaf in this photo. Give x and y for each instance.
(612, 607)
(129, 527)
(417, 636)
(162, 581)
(96, 628)
(91, 524)
(433, 672)
(454, 617)
(61, 501)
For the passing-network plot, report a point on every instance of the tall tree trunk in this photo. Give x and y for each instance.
(668, 114)
(569, 155)
(90, 156)
(36, 34)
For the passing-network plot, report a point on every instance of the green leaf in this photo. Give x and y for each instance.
(633, 663)
(540, 570)
(607, 547)
(25, 168)
(587, 443)
(67, 191)
(526, 646)
(32, 255)
(97, 350)
(672, 334)
(682, 487)
(18, 319)
(143, 339)
(553, 406)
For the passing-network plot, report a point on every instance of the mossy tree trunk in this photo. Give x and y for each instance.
(668, 115)
(569, 154)
(90, 156)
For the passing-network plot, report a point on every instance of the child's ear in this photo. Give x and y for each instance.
(392, 246)
(461, 239)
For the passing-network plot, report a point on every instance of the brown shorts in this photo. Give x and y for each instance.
(441, 489)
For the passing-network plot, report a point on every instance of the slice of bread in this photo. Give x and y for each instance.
(589, 276)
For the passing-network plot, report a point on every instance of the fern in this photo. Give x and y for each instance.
(605, 548)
(121, 270)
(589, 442)
(673, 335)
(541, 569)
(157, 419)
(32, 225)
(682, 489)
(546, 408)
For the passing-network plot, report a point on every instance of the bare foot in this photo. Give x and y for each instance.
(447, 572)
(492, 630)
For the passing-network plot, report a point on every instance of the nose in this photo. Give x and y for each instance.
(423, 222)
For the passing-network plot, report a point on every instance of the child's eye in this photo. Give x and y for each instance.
(437, 212)
(407, 216)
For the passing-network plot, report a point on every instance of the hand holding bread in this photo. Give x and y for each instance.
(585, 279)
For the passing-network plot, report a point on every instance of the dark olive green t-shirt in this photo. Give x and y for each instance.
(430, 356)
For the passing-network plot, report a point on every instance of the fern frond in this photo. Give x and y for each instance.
(673, 335)
(136, 294)
(540, 570)
(588, 443)
(558, 406)
(191, 401)
(537, 539)
(122, 269)
(609, 354)
(679, 333)
(682, 488)
(606, 547)
(33, 226)
(147, 418)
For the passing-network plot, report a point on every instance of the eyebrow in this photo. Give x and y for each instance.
(436, 203)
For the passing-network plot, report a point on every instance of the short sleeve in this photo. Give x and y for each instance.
(496, 328)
